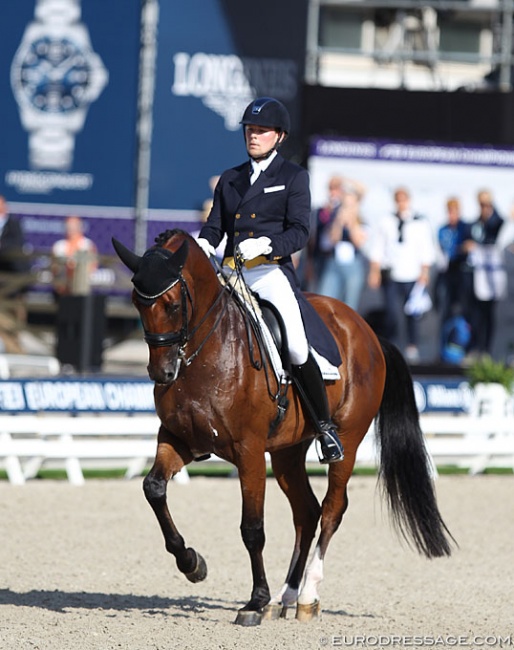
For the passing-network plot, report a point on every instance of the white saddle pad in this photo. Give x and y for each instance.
(329, 372)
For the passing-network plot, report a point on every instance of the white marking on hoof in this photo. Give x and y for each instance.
(287, 596)
(313, 578)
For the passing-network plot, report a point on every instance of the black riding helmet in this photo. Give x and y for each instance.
(266, 111)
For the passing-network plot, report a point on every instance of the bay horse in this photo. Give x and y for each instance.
(212, 397)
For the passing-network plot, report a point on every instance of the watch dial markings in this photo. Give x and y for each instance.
(55, 75)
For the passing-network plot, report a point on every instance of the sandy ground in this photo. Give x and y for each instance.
(85, 568)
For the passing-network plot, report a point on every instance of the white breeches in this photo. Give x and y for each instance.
(271, 283)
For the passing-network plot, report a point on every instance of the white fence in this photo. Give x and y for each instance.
(29, 442)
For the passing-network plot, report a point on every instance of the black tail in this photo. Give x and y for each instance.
(404, 462)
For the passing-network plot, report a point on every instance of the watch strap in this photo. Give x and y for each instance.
(62, 12)
(51, 148)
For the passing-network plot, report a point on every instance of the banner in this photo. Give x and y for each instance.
(209, 68)
(126, 395)
(432, 172)
(68, 89)
(69, 74)
(76, 396)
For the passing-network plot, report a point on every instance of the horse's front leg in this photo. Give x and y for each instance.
(252, 477)
(171, 457)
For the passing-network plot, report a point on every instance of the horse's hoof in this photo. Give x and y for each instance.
(305, 613)
(248, 618)
(274, 611)
(199, 573)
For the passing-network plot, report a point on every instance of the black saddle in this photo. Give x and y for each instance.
(275, 323)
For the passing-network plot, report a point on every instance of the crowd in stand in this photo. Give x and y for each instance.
(456, 271)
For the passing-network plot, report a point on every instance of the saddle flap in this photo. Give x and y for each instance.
(277, 328)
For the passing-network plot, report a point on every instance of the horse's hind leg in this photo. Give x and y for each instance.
(169, 462)
(333, 508)
(289, 470)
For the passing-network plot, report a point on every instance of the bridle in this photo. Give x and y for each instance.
(185, 334)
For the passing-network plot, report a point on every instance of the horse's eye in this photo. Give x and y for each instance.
(173, 309)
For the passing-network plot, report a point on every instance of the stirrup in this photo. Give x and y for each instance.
(330, 447)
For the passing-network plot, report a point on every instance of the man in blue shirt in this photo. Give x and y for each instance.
(453, 280)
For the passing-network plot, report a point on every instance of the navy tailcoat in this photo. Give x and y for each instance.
(277, 206)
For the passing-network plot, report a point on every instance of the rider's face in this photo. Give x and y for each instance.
(260, 139)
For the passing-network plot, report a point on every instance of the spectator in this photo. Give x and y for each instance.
(453, 278)
(342, 238)
(505, 240)
(207, 204)
(323, 216)
(401, 254)
(74, 258)
(204, 214)
(489, 277)
(13, 264)
(12, 257)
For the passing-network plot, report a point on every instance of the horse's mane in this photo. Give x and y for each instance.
(163, 237)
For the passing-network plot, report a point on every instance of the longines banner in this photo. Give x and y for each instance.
(214, 57)
(69, 73)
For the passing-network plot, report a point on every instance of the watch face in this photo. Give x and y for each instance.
(54, 75)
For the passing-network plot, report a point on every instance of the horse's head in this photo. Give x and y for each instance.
(164, 296)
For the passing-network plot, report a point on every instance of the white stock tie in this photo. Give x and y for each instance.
(255, 175)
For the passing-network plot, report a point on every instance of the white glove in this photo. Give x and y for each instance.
(205, 246)
(249, 249)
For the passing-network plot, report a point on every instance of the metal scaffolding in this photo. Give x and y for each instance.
(147, 59)
(416, 19)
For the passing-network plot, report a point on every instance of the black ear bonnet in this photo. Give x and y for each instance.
(157, 271)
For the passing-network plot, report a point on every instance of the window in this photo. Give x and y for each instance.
(340, 28)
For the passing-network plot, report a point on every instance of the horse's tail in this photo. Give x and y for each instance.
(404, 462)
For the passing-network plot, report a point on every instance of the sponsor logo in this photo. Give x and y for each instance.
(226, 83)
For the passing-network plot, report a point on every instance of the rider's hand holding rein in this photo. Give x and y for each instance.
(205, 246)
(249, 249)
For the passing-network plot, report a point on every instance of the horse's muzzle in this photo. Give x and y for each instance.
(166, 373)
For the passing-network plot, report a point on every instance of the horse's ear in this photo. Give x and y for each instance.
(130, 259)
(180, 256)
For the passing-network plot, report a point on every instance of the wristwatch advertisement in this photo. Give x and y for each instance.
(55, 76)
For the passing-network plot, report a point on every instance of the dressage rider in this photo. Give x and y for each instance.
(263, 206)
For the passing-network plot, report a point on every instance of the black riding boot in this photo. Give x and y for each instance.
(311, 389)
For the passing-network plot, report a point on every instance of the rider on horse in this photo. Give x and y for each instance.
(263, 206)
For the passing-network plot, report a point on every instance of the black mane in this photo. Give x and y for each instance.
(163, 237)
